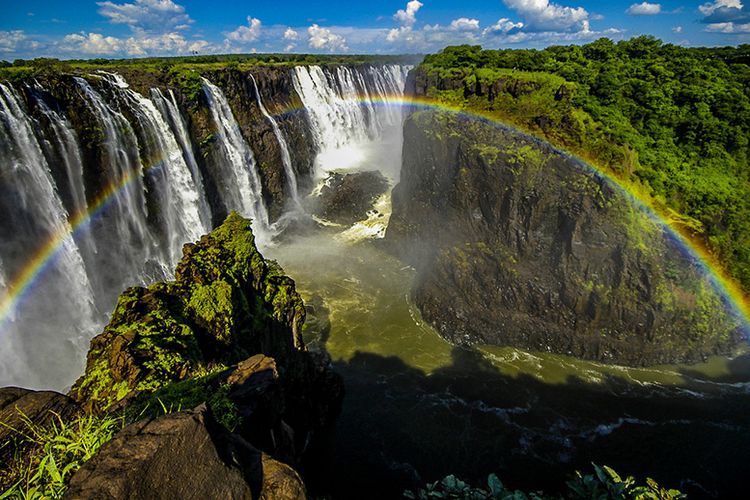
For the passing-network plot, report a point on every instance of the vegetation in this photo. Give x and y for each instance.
(46, 457)
(604, 484)
(670, 122)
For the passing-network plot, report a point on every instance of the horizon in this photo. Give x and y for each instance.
(169, 28)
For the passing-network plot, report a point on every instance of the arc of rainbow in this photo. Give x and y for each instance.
(22, 282)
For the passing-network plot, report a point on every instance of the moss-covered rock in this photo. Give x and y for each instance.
(225, 304)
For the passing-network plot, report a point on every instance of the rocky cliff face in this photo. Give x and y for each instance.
(516, 244)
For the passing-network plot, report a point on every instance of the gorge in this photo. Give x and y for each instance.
(512, 312)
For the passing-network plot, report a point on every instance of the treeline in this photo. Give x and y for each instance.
(673, 120)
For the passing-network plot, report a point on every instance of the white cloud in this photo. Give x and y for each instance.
(503, 25)
(677, 29)
(248, 33)
(290, 34)
(141, 45)
(644, 9)
(542, 15)
(147, 15)
(464, 24)
(325, 39)
(290, 47)
(709, 8)
(15, 40)
(408, 16)
(728, 28)
(92, 43)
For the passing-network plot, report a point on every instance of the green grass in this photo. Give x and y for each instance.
(46, 457)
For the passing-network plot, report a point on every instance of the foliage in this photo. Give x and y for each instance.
(604, 484)
(53, 453)
(671, 122)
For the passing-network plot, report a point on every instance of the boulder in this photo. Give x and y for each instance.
(183, 455)
(347, 198)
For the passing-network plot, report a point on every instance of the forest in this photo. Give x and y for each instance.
(672, 123)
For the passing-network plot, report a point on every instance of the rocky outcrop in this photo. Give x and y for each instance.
(226, 332)
(183, 455)
(517, 244)
(346, 198)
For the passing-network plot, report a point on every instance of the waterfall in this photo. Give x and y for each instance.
(179, 201)
(171, 112)
(65, 148)
(239, 182)
(286, 159)
(348, 108)
(50, 328)
(123, 225)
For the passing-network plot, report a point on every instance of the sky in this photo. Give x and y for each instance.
(138, 28)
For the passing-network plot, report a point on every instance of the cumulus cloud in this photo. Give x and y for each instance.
(726, 16)
(98, 44)
(16, 40)
(147, 15)
(543, 15)
(408, 16)
(644, 9)
(325, 39)
(677, 29)
(709, 8)
(245, 34)
(464, 24)
(290, 34)
(502, 26)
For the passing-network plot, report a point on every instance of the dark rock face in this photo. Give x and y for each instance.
(517, 244)
(183, 455)
(346, 198)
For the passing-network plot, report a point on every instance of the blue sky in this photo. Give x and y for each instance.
(137, 28)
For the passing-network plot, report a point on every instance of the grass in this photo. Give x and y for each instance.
(47, 456)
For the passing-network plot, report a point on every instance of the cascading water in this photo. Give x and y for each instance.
(179, 200)
(286, 159)
(65, 148)
(171, 112)
(350, 114)
(52, 327)
(132, 254)
(240, 183)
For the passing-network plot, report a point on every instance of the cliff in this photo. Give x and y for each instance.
(516, 244)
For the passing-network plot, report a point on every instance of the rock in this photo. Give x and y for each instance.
(517, 244)
(17, 406)
(183, 455)
(226, 303)
(347, 198)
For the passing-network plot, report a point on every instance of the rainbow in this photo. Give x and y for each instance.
(21, 285)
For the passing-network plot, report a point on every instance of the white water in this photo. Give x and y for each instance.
(179, 200)
(286, 159)
(171, 112)
(52, 328)
(240, 183)
(351, 115)
(127, 218)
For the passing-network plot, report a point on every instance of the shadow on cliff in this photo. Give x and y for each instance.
(400, 427)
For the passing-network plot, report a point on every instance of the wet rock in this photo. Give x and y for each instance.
(183, 455)
(347, 198)
(517, 244)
